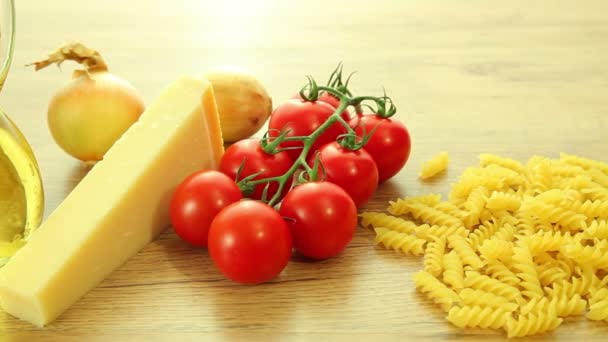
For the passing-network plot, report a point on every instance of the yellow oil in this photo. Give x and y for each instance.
(21, 193)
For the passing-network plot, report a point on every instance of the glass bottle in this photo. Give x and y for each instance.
(21, 193)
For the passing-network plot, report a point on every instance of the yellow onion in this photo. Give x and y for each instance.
(88, 114)
(242, 101)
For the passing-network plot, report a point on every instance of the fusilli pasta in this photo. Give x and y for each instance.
(524, 264)
(486, 159)
(531, 324)
(433, 256)
(482, 298)
(478, 281)
(477, 316)
(499, 200)
(434, 166)
(453, 273)
(598, 309)
(404, 243)
(516, 246)
(383, 220)
(465, 251)
(435, 290)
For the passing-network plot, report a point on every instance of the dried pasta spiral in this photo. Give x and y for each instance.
(548, 274)
(482, 233)
(472, 297)
(401, 205)
(428, 232)
(493, 178)
(453, 210)
(477, 316)
(578, 182)
(585, 163)
(465, 251)
(516, 246)
(543, 241)
(433, 256)
(597, 229)
(554, 214)
(453, 273)
(497, 270)
(577, 285)
(598, 177)
(555, 306)
(475, 204)
(387, 221)
(566, 264)
(561, 169)
(598, 310)
(598, 295)
(591, 209)
(478, 281)
(587, 255)
(486, 159)
(434, 166)
(538, 171)
(404, 243)
(494, 249)
(595, 192)
(506, 232)
(435, 290)
(433, 216)
(531, 324)
(524, 264)
(499, 200)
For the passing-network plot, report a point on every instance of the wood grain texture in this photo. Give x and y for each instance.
(515, 78)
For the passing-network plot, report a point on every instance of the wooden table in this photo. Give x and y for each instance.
(515, 78)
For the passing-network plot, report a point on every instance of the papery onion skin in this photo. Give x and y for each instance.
(242, 101)
(91, 112)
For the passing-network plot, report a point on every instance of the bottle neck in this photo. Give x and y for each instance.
(7, 37)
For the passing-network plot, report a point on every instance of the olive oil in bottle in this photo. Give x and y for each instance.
(21, 193)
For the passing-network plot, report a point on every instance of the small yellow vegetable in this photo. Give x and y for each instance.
(87, 115)
(243, 102)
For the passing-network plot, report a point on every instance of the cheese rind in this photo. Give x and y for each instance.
(119, 207)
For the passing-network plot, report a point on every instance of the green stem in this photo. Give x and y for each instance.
(308, 142)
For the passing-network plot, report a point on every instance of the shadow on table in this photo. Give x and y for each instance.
(77, 173)
(305, 292)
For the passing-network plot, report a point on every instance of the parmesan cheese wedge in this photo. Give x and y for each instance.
(119, 207)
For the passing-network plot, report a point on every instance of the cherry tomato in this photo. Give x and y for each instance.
(353, 171)
(322, 219)
(197, 200)
(390, 145)
(331, 100)
(256, 160)
(303, 118)
(249, 242)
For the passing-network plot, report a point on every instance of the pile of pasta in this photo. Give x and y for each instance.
(515, 247)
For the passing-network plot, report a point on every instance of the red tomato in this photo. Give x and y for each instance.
(197, 200)
(390, 145)
(331, 100)
(324, 219)
(353, 171)
(256, 160)
(249, 242)
(303, 118)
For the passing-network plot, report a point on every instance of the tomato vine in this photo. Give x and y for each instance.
(381, 106)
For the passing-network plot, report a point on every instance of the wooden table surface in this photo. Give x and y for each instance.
(515, 78)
